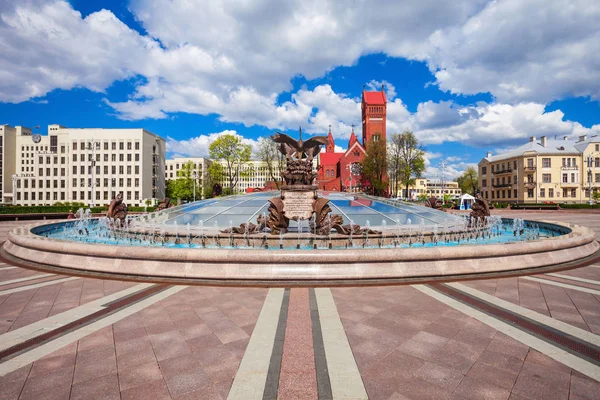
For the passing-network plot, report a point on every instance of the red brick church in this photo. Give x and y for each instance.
(342, 171)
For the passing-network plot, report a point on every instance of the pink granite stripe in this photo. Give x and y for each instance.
(568, 281)
(32, 282)
(297, 379)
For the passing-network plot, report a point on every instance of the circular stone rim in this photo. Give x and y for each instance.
(274, 267)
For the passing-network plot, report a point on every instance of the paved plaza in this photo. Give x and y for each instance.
(528, 337)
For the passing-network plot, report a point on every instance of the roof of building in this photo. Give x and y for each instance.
(329, 158)
(553, 147)
(374, 97)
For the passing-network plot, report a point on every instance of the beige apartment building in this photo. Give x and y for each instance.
(544, 170)
(432, 187)
(88, 165)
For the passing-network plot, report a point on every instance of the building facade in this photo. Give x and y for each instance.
(254, 174)
(342, 171)
(86, 165)
(431, 187)
(542, 171)
(174, 165)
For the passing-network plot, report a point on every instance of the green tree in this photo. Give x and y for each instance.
(268, 152)
(468, 181)
(375, 166)
(596, 196)
(406, 160)
(182, 188)
(233, 153)
(216, 175)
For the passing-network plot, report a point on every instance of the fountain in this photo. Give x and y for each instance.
(270, 247)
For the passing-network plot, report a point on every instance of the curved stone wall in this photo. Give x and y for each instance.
(235, 266)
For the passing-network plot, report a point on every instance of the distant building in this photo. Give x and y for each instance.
(87, 165)
(342, 171)
(430, 187)
(173, 166)
(545, 170)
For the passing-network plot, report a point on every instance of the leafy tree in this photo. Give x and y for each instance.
(234, 153)
(422, 197)
(406, 160)
(216, 174)
(375, 166)
(468, 182)
(596, 195)
(274, 161)
(182, 188)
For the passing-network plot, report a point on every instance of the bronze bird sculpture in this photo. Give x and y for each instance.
(296, 149)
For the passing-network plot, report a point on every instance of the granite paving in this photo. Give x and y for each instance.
(406, 344)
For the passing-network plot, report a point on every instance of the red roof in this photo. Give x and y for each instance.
(374, 97)
(329, 158)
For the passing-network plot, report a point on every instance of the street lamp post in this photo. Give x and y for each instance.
(14, 181)
(194, 177)
(589, 165)
(91, 145)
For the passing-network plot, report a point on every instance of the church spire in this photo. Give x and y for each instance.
(352, 138)
(330, 147)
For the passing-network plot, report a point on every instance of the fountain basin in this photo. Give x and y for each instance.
(576, 246)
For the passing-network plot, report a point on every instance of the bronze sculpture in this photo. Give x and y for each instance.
(479, 210)
(296, 149)
(433, 202)
(117, 210)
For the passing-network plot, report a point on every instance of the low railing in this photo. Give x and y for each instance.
(502, 171)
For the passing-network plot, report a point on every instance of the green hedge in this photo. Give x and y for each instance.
(61, 209)
(500, 205)
(579, 206)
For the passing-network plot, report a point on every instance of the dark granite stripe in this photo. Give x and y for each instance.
(71, 326)
(272, 383)
(569, 343)
(323, 383)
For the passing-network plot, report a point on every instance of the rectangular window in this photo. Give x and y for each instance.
(137, 157)
(82, 195)
(129, 170)
(121, 157)
(515, 193)
(74, 145)
(546, 163)
(565, 178)
(530, 163)
(597, 178)
(121, 146)
(484, 183)
(82, 170)
(137, 169)
(114, 145)
(74, 182)
(530, 193)
(573, 193)
(106, 169)
(137, 146)
(106, 157)
(542, 192)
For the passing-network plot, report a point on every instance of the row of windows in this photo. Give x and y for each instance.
(566, 193)
(113, 157)
(106, 182)
(567, 162)
(82, 195)
(86, 145)
(113, 169)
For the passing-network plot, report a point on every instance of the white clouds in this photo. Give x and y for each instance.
(535, 50)
(49, 46)
(234, 59)
(198, 146)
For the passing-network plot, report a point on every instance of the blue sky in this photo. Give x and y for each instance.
(466, 77)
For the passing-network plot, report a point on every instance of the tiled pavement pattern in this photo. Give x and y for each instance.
(406, 344)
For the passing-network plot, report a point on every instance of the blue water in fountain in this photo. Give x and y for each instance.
(497, 231)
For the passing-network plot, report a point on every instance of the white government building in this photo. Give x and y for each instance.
(255, 173)
(88, 165)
